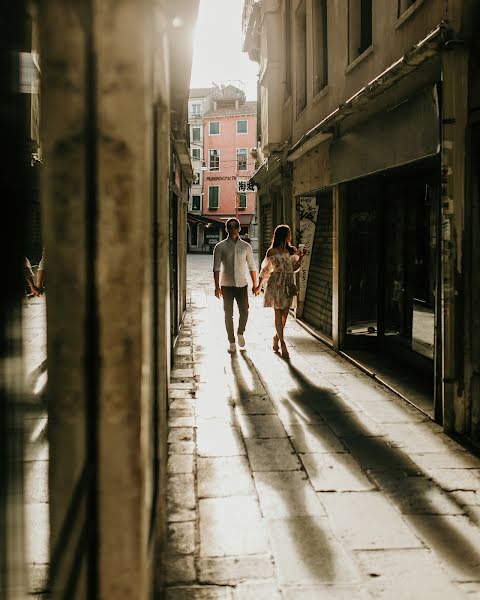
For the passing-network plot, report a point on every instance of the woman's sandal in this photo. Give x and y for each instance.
(275, 343)
(285, 353)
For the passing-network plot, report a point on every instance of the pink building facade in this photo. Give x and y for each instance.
(230, 139)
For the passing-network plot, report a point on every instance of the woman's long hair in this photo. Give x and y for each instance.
(279, 238)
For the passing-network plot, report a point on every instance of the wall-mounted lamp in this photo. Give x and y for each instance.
(204, 166)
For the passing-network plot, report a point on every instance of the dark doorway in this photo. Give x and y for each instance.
(392, 256)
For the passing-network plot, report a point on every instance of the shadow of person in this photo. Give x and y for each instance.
(436, 517)
(305, 549)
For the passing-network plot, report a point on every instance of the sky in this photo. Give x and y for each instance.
(217, 49)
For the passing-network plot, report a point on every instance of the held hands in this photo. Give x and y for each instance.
(256, 290)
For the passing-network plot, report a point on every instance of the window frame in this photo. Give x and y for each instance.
(193, 111)
(214, 170)
(401, 11)
(320, 45)
(199, 150)
(239, 205)
(301, 87)
(211, 187)
(199, 201)
(287, 33)
(246, 123)
(242, 152)
(210, 123)
(197, 127)
(358, 23)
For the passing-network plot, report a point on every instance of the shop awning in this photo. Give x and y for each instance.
(245, 220)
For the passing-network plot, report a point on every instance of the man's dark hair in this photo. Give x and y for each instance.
(232, 219)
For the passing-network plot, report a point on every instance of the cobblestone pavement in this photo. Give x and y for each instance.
(306, 479)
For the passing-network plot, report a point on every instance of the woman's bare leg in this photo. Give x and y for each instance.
(279, 324)
(282, 341)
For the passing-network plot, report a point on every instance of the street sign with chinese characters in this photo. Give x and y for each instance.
(245, 185)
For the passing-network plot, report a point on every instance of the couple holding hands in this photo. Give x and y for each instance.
(232, 256)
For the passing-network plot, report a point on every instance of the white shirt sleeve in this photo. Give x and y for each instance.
(217, 258)
(250, 260)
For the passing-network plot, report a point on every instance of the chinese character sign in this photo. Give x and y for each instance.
(245, 185)
(307, 210)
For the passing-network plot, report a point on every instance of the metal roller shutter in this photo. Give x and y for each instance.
(318, 299)
(267, 227)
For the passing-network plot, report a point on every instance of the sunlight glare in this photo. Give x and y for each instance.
(217, 51)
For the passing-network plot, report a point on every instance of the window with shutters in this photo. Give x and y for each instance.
(242, 200)
(213, 196)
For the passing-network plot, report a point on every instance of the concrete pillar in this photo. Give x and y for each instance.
(339, 266)
(454, 120)
(105, 110)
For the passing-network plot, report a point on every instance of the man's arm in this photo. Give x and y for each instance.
(218, 289)
(217, 262)
(252, 268)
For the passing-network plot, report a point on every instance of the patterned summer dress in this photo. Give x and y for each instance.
(278, 270)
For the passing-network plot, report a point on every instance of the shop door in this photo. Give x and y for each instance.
(317, 310)
(362, 272)
(410, 269)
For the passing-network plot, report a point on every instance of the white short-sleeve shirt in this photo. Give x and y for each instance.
(232, 259)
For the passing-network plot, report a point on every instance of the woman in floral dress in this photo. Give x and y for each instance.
(278, 267)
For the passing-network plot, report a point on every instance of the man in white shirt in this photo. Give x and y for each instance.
(231, 257)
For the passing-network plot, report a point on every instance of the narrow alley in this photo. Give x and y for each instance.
(306, 479)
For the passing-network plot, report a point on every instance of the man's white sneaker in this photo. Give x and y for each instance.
(241, 341)
(232, 348)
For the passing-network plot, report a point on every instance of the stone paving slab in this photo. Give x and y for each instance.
(412, 574)
(307, 553)
(272, 455)
(232, 570)
(453, 540)
(219, 439)
(314, 438)
(337, 472)
(224, 476)
(195, 592)
(287, 494)
(306, 479)
(231, 527)
(326, 592)
(261, 426)
(366, 520)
